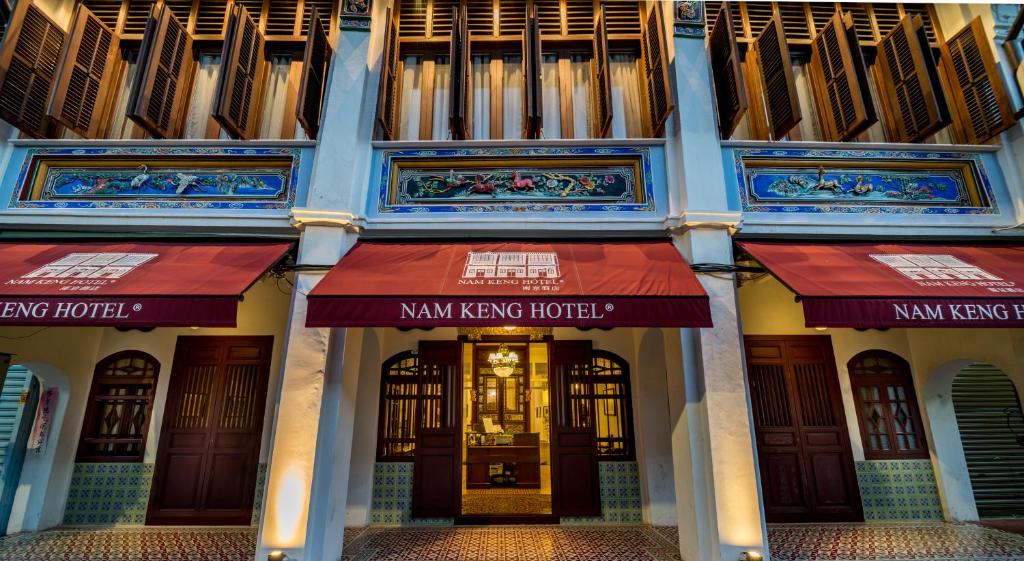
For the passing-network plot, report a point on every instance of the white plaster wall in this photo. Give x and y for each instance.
(46, 478)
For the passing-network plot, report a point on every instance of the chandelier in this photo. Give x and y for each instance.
(503, 362)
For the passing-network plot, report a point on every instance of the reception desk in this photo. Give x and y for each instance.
(524, 453)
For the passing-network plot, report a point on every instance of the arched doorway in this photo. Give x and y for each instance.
(988, 415)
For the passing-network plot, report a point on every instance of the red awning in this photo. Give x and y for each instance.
(635, 284)
(129, 284)
(900, 285)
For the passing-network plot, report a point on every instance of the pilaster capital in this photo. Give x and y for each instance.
(301, 218)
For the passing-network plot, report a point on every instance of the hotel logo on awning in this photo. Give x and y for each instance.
(85, 271)
(928, 267)
(511, 265)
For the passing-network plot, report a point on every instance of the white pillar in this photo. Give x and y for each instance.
(309, 420)
(717, 487)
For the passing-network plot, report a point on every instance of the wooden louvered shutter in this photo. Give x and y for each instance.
(27, 63)
(533, 106)
(458, 108)
(839, 77)
(976, 90)
(602, 79)
(240, 83)
(915, 106)
(390, 85)
(161, 84)
(780, 99)
(730, 93)
(316, 61)
(84, 75)
(655, 65)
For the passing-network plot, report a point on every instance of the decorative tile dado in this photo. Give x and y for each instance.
(862, 181)
(261, 489)
(158, 177)
(621, 502)
(392, 497)
(108, 494)
(690, 18)
(117, 494)
(898, 490)
(516, 179)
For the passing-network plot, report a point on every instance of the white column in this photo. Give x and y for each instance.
(717, 486)
(310, 420)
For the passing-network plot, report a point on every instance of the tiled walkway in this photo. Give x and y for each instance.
(824, 542)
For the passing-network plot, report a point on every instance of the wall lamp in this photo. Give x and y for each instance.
(751, 556)
(277, 556)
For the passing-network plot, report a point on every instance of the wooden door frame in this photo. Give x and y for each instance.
(836, 397)
(152, 517)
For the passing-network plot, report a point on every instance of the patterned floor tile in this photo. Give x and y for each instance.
(512, 543)
(131, 544)
(923, 541)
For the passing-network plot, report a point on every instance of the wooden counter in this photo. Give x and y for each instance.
(524, 453)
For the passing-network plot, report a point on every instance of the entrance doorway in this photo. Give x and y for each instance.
(506, 414)
(208, 455)
(803, 445)
(492, 446)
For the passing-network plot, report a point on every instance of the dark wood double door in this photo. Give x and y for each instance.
(803, 445)
(208, 456)
(437, 464)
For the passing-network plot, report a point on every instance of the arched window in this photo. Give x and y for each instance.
(120, 406)
(612, 406)
(890, 423)
(399, 404)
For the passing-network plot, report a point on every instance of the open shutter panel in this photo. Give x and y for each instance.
(781, 104)
(316, 62)
(656, 83)
(915, 104)
(602, 80)
(979, 99)
(533, 116)
(84, 75)
(458, 108)
(27, 63)
(159, 91)
(388, 92)
(840, 81)
(242, 64)
(730, 93)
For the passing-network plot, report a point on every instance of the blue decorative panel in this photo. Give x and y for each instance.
(392, 497)
(108, 494)
(689, 18)
(621, 502)
(845, 181)
(158, 177)
(516, 179)
(898, 490)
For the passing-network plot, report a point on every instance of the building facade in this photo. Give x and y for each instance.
(321, 265)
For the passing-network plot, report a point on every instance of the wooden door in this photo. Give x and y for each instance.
(437, 461)
(575, 485)
(803, 445)
(209, 447)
